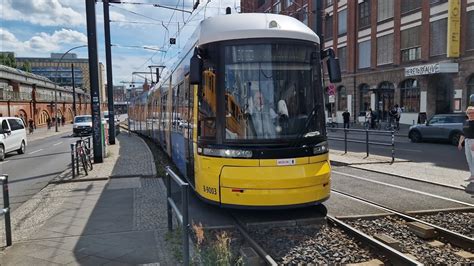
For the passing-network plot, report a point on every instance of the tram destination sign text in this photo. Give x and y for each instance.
(431, 69)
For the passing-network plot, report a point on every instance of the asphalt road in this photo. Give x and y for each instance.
(438, 153)
(30, 172)
(395, 192)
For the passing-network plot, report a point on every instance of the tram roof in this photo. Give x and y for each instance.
(253, 25)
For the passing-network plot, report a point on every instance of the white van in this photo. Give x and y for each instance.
(12, 136)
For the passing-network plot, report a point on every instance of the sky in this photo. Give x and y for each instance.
(36, 28)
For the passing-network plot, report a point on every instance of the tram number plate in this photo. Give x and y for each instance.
(210, 190)
(286, 162)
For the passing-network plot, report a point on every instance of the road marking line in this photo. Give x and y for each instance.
(396, 149)
(35, 151)
(56, 144)
(404, 188)
(4, 162)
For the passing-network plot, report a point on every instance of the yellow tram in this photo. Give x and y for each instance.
(241, 113)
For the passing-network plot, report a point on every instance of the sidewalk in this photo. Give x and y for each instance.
(118, 221)
(413, 170)
(44, 132)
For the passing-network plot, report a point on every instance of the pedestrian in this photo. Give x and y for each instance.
(48, 123)
(30, 126)
(392, 114)
(346, 117)
(63, 120)
(398, 115)
(468, 138)
(368, 119)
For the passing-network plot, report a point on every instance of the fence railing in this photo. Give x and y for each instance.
(183, 217)
(15, 95)
(6, 209)
(366, 140)
(75, 160)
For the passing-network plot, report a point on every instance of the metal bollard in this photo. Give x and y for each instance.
(345, 140)
(393, 146)
(367, 141)
(73, 161)
(6, 209)
(168, 207)
(77, 161)
(184, 199)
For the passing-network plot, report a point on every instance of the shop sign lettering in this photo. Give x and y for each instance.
(422, 70)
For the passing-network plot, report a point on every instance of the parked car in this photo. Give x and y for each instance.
(439, 127)
(106, 117)
(12, 136)
(82, 125)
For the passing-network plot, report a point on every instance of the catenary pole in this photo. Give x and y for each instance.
(110, 86)
(73, 92)
(94, 80)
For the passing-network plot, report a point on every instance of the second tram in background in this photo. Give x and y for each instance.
(241, 114)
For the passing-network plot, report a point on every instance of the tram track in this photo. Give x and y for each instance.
(334, 242)
(395, 222)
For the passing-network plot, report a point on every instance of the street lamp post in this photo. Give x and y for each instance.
(56, 84)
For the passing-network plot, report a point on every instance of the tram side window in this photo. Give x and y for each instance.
(207, 104)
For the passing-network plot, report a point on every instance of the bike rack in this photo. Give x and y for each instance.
(367, 142)
(75, 155)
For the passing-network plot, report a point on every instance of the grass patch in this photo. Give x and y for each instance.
(214, 248)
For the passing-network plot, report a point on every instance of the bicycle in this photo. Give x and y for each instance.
(84, 155)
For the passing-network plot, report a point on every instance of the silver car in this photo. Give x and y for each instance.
(439, 127)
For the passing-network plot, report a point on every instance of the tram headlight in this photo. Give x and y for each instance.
(321, 148)
(227, 153)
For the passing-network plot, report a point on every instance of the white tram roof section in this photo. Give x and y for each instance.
(253, 25)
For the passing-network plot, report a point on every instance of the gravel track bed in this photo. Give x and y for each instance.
(303, 245)
(410, 243)
(460, 222)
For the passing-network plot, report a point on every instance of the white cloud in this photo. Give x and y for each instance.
(41, 43)
(41, 12)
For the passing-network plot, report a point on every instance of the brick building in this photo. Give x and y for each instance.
(28, 95)
(60, 70)
(391, 52)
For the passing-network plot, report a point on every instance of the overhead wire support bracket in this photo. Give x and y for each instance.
(155, 5)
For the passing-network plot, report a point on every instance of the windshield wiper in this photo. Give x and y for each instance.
(302, 132)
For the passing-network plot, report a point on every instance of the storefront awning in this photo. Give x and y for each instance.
(431, 69)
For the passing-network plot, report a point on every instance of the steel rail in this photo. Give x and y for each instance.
(395, 256)
(455, 238)
(261, 252)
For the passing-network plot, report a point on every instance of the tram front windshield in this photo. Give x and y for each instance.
(270, 92)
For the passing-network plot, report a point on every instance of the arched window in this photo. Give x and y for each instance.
(43, 117)
(341, 98)
(410, 96)
(364, 98)
(470, 88)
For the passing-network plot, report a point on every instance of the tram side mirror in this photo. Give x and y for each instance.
(195, 68)
(334, 69)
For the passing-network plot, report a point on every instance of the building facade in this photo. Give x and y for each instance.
(30, 96)
(46, 67)
(393, 52)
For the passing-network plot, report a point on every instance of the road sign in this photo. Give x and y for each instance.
(331, 89)
(332, 98)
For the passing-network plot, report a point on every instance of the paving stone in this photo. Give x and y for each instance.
(90, 261)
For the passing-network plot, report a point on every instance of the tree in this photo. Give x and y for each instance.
(26, 67)
(8, 59)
